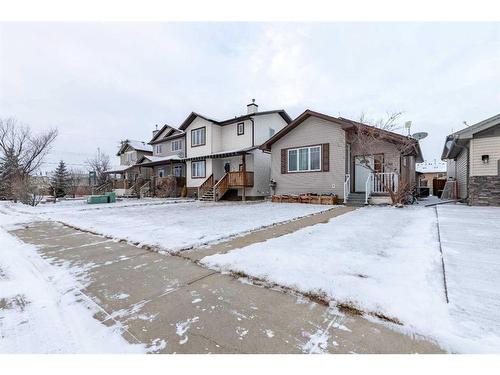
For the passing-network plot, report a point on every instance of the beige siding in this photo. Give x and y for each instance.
(484, 146)
(264, 123)
(311, 132)
(200, 150)
(390, 151)
(166, 148)
(462, 173)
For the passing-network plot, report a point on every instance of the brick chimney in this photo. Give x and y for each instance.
(252, 107)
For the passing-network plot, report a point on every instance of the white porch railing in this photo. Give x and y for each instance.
(347, 187)
(380, 183)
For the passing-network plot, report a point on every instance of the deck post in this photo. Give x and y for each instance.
(243, 161)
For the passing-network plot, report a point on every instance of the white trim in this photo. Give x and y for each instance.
(309, 150)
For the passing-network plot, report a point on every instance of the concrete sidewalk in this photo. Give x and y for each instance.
(173, 305)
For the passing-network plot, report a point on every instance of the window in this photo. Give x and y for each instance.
(158, 149)
(177, 145)
(198, 169)
(241, 128)
(304, 159)
(161, 173)
(130, 157)
(198, 137)
(271, 132)
(177, 170)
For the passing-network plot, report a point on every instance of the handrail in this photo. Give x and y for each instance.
(347, 186)
(145, 189)
(368, 187)
(221, 187)
(205, 186)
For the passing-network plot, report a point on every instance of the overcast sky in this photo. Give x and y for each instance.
(99, 83)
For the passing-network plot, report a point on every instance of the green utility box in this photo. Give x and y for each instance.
(94, 199)
(111, 197)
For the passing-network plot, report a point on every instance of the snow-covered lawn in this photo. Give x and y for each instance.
(41, 308)
(171, 226)
(470, 238)
(387, 260)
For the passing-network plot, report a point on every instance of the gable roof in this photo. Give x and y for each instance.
(460, 138)
(136, 145)
(346, 124)
(172, 133)
(193, 115)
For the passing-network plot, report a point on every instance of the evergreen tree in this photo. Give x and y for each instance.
(9, 170)
(60, 180)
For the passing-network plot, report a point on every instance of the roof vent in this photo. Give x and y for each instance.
(155, 131)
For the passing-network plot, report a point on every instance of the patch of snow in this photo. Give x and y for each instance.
(196, 300)
(171, 226)
(269, 333)
(387, 260)
(182, 327)
(42, 308)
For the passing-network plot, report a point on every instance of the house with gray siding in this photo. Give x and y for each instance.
(168, 145)
(473, 161)
(320, 154)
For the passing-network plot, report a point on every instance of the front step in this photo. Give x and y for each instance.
(356, 199)
(208, 196)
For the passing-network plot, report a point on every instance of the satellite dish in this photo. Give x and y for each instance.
(419, 136)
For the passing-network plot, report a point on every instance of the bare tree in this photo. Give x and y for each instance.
(99, 164)
(21, 154)
(367, 138)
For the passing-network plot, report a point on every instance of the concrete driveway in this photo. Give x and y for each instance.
(173, 305)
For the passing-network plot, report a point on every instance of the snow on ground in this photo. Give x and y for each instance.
(174, 226)
(384, 260)
(470, 239)
(41, 308)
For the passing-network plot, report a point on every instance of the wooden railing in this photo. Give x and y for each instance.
(237, 179)
(103, 188)
(206, 185)
(145, 190)
(221, 187)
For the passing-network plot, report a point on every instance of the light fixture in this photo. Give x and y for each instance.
(485, 159)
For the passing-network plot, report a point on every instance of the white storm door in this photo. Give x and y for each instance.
(361, 173)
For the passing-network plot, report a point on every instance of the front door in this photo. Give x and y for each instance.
(361, 172)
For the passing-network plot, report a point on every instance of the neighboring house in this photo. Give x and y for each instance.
(130, 153)
(430, 175)
(319, 154)
(223, 156)
(473, 160)
(168, 145)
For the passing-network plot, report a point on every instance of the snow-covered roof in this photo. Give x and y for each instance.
(223, 153)
(136, 145)
(148, 160)
(119, 168)
(435, 166)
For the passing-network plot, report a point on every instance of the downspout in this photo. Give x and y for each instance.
(253, 132)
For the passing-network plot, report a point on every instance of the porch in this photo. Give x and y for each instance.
(376, 188)
(212, 190)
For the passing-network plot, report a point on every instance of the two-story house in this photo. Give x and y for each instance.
(130, 153)
(168, 146)
(223, 157)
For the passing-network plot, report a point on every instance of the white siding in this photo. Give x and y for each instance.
(262, 125)
(230, 138)
(200, 150)
(311, 132)
(462, 174)
(484, 146)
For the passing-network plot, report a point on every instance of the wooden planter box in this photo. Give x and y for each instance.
(306, 198)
